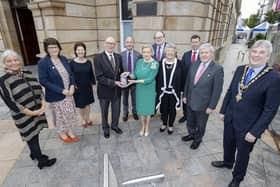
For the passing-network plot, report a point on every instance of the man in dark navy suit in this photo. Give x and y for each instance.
(159, 46)
(190, 57)
(108, 67)
(249, 106)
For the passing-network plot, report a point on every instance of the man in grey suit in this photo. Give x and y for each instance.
(129, 59)
(203, 88)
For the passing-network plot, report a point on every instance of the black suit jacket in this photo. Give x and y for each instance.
(187, 60)
(258, 106)
(106, 76)
(155, 51)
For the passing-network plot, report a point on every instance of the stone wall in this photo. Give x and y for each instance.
(108, 21)
(69, 21)
(213, 20)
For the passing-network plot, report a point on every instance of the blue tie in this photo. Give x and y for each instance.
(249, 76)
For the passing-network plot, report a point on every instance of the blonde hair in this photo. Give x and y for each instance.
(9, 52)
(147, 46)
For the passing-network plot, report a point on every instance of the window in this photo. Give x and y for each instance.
(126, 9)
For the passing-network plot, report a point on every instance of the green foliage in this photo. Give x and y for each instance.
(259, 36)
(253, 20)
(272, 16)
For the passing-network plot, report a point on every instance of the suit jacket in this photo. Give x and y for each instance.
(258, 106)
(50, 78)
(136, 56)
(155, 51)
(206, 93)
(106, 75)
(187, 60)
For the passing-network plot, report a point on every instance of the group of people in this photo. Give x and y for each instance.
(155, 79)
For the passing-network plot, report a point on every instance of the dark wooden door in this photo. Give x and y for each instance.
(27, 35)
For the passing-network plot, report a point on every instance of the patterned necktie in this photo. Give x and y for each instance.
(129, 65)
(249, 76)
(199, 74)
(193, 56)
(112, 61)
(158, 53)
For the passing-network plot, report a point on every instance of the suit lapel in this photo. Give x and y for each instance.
(193, 73)
(107, 61)
(125, 60)
(206, 72)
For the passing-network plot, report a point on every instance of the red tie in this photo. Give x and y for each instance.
(199, 74)
(193, 56)
(158, 54)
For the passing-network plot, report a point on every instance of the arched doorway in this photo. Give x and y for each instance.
(26, 31)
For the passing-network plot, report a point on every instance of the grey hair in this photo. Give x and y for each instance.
(207, 46)
(170, 46)
(9, 52)
(264, 44)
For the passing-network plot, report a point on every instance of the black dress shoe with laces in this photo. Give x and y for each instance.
(220, 164)
(234, 183)
(187, 138)
(195, 145)
(117, 130)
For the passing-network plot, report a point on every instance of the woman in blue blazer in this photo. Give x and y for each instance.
(56, 76)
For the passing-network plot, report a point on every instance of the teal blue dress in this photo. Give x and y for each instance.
(146, 92)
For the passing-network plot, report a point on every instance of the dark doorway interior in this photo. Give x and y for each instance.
(26, 33)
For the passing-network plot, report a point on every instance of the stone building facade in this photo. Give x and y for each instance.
(91, 21)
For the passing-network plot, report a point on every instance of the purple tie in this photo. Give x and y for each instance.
(129, 65)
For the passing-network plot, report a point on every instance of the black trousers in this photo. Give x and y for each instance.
(184, 109)
(34, 147)
(235, 141)
(167, 109)
(115, 112)
(125, 97)
(196, 123)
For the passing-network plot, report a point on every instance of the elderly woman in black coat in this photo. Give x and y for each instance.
(170, 83)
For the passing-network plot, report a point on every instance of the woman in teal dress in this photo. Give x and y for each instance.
(145, 74)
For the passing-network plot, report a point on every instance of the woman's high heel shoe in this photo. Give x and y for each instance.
(46, 163)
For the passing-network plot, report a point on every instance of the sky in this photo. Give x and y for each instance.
(249, 7)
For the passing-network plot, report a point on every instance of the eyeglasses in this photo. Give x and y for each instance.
(52, 47)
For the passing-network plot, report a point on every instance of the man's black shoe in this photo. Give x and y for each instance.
(135, 116)
(187, 138)
(182, 119)
(220, 164)
(106, 134)
(125, 117)
(117, 130)
(234, 183)
(195, 145)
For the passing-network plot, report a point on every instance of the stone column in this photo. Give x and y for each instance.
(108, 21)
(8, 34)
(68, 21)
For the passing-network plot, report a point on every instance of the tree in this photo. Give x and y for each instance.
(272, 16)
(253, 20)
